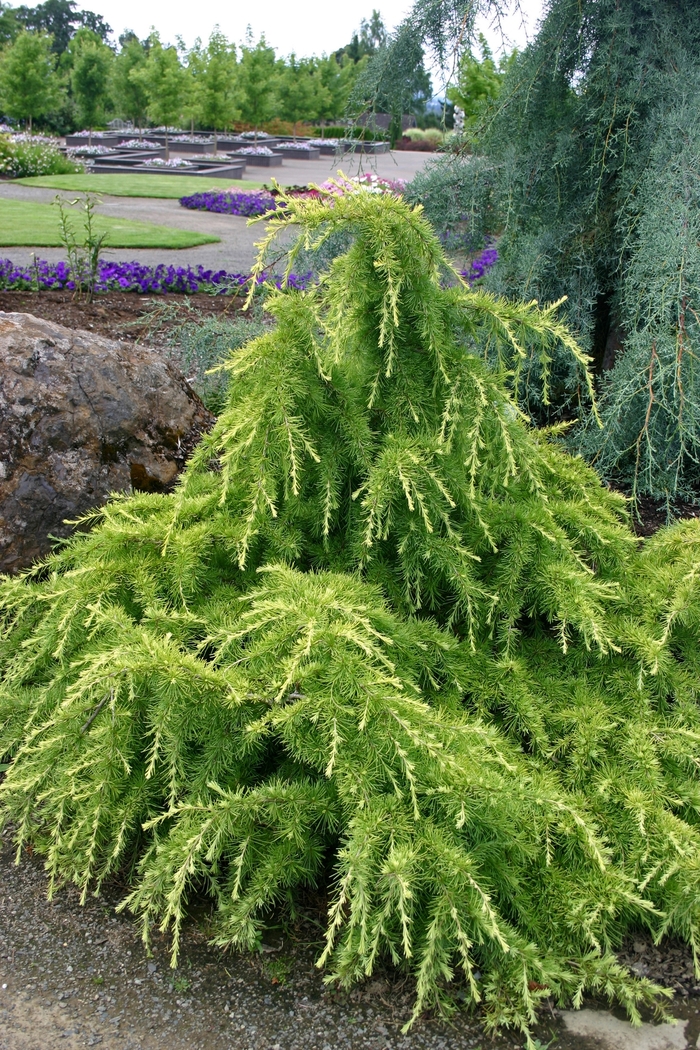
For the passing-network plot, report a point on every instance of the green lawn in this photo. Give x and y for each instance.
(136, 185)
(36, 225)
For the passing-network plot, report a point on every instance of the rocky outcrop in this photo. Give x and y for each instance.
(82, 416)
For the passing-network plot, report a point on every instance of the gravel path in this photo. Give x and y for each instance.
(74, 977)
(236, 250)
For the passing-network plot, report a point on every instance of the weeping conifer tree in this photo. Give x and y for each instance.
(385, 640)
(588, 167)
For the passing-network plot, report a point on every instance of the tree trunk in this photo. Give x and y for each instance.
(167, 144)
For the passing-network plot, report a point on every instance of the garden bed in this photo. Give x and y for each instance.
(261, 160)
(293, 153)
(115, 315)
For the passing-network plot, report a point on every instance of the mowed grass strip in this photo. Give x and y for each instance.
(31, 225)
(169, 186)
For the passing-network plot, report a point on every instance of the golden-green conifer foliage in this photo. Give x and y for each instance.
(384, 639)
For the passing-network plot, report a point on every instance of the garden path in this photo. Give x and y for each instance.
(236, 250)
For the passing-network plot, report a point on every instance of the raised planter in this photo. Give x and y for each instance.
(261, 160)
(232, 170)
(333, 150)
(373, 147)
(212, 171)
(309, 153)
(190, 147)
(129, 156)
(97, 140)
(235, 142)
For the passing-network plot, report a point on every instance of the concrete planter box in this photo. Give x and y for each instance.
(190, 147)
(332, 151)
(373, 147)
(236, 143)
(211, 171)
(97, 140)
(309, 153)
(129, 156)
(254, 160)
(225, 171)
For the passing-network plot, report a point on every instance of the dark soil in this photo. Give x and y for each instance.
(115, 315)
(652, 514)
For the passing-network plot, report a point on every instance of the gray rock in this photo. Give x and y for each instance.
(82, 416)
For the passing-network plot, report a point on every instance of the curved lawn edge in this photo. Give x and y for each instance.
(31, 224)
(170, 187)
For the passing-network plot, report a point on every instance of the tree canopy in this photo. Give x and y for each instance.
(28, 83)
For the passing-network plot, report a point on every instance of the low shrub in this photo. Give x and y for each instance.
(385, 640)
(26, 156)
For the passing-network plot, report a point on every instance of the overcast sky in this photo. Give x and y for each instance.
(309, 28)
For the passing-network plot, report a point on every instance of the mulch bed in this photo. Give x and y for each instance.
(114, 315)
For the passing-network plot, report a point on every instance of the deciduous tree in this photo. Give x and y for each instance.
(28, 83)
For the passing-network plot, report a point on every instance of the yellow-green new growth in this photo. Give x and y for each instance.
(384, 639)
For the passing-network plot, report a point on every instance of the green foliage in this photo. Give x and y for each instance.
(384, 639)
(200, 345)
(82, 248)
(297, 90)
(164, 81)
(216, 83)
(257, 82)
(91, 76)
(588, 169)
(479, 82)
(129, 93)
(28, 83)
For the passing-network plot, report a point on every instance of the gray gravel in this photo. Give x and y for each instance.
(73, 977)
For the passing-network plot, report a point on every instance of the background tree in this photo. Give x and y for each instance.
(296, 91)
(395, 81)
(372, 36)
(9, 25)
(479, 82)
(217, 84)
(28, 83)
(91, 76)
(130, 93)
(588, 170)
(164, 81)
(257, 79)
(61, 20)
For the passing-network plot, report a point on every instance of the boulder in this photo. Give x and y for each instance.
(82, 416)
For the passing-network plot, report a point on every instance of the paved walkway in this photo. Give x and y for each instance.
(236, 250)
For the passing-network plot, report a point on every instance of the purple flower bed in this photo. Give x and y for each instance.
(135, 277)
(247, 202)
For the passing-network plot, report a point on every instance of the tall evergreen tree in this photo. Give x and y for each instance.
(384, 638)
(590, 170)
